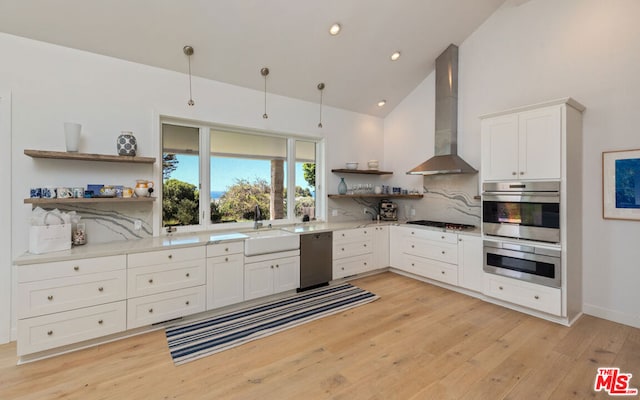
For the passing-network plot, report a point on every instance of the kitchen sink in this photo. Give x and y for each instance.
(270, 241)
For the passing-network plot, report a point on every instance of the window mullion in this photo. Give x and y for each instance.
(291, 179)
(204, 186)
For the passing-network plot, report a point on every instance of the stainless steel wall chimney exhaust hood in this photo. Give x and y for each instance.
(446, 159)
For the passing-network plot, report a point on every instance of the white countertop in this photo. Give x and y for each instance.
(198, 239)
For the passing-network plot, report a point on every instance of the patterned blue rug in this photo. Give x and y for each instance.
(202, 338)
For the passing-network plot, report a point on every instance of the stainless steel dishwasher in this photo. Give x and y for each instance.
(316, 259)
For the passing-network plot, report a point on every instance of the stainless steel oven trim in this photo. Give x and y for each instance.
(545, 197)
(551, 235)
(522, 187)
(540, 254)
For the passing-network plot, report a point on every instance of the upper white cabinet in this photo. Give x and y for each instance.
(523, 145)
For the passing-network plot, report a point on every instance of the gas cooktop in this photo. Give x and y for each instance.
(440, 224)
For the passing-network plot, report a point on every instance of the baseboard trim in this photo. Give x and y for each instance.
(612, 315)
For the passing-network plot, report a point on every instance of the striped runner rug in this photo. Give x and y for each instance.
(197, 339)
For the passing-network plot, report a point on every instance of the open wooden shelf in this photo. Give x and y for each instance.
(40, 201)
(361, 171)
(64, 155)
(380, 196)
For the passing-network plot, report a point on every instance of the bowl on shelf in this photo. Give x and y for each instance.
(373, 164)
(351, 165)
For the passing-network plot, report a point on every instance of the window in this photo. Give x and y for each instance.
(238, 171)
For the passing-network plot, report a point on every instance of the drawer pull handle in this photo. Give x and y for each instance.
(50, 333)
(151, 311)
(226, 259)
(50, 297)
(100, 289)
(100, 321)
(76, 268)
(170, 256)
(186, 302)
(150, 280)
(187, 275)
(500, 287)
(536, 297)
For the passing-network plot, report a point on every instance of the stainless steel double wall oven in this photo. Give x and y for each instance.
(519, 220)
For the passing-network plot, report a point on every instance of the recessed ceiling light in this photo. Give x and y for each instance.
(381, 103)
(335, 29)
(395, 56)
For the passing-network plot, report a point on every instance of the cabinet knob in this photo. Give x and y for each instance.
(342, 268)
(521, 172)
(413, 233)
(365, 232)
(277, 265)
(226, 259)
(365, 245)
(226, 249)
(365, 263)
(343, 235)
(459, 239)
(413, 264)
(187, 274)
(186, 303)
(150, 280)
(100, 289)
(441, 237)
(76, 268)
(442, 251)
(442, 272)
(151, 311)
(536, 297)
(50, 297)
(272, 267)
(513, 173)
(100, 322)
(170, 256)
(500, 287)
(343, 249)
(50, 333)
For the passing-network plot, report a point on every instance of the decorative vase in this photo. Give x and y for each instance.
(342, 187)
(126, 144)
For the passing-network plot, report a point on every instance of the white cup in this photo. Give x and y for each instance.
(72, 135)
(377, 189)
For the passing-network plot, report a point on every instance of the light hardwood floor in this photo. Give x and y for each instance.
(417, 342)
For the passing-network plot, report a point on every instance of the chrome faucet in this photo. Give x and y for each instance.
(257, 216)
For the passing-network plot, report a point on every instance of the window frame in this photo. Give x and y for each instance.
(204, 156)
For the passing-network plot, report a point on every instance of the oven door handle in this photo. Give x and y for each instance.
(548, 197)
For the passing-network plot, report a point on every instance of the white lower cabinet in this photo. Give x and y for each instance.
(269, 274)
(353, 251)
(537, 297)
(64, 328)
(470, 262)
(225, 280)
(380, 247)
(161, 307)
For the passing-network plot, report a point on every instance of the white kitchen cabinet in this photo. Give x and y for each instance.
(271, 273)
(63, 302)
(380, 247)
(165, 284)
(353, 252)
(522, 146)
(534, 296)
(470, 262)
(225, 274)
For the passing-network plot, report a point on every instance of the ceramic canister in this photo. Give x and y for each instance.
(126, 144)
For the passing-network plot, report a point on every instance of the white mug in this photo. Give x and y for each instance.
(377, 189)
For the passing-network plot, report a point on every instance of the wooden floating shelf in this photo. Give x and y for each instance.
(362, 171)
(64, 155)
(380, 196)
(91, 200)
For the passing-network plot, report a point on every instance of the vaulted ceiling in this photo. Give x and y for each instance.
(233, 40)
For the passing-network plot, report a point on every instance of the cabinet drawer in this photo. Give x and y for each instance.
(164, 306)
(441, 237)
(445, 252)
(61, 269)
(165, 256)
(352, 266)
(538, 297)
(341, 250)
(154, 279)
(352, 235)
(64, 294)
(431, 269)
(55, 330)
(221, 249)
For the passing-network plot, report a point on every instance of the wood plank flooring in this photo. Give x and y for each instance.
(417, 342)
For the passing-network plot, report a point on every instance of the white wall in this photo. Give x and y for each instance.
(52, 84)
(5, 215)
(543, 50)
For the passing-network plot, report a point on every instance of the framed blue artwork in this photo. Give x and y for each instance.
(621, 184)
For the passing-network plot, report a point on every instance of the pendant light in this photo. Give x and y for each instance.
(188, 50)
(321, 89)
(264, 72)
